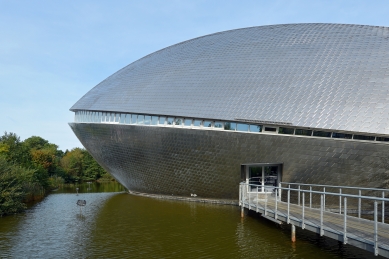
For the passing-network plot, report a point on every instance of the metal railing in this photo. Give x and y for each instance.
(358, 193)
(342, 217)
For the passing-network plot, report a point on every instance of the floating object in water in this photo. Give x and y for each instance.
(81, 202)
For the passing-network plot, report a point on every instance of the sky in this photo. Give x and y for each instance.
(54, 52)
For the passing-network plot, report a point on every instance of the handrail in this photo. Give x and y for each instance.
(321, 192)
(281, 211)
(336, 186)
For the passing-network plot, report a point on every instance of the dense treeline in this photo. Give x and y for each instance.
(30, 168)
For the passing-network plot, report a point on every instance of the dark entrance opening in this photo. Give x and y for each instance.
(263, 177)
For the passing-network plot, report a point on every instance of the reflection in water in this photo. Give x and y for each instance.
(119, 225)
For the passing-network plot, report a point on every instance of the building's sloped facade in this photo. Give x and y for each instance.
(314, 97)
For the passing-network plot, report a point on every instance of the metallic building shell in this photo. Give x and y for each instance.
(175, 161)
(327, 76)
(323, 76)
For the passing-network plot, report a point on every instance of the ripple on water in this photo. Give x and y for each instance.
(119, 225)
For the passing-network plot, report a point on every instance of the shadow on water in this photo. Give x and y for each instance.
(119, 225)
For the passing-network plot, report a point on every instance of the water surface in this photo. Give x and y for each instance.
(119, 225)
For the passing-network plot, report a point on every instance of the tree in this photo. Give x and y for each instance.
(91, 169)
(13, 150)
(36, 142)
(11, 187)
(72, 163)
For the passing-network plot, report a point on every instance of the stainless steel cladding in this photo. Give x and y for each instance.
(329, 76)
(319, 91)
(175, 161)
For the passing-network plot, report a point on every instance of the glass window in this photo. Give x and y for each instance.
(147, 120)
(177, 121)
(162, 120)
(141, 119)
(382, 139)
(117, 116)
(303, 132)
(154, 120)
(188, 122)
(170, 121)
(207, 124)
(196, 123)
(122, 118)
(230, 126)
(255, 128)
(100, 116)
(362, 137)
(282, 130)
(127, 119)
(104, 116)
(342, 135)
(270, 129)
(324, 134)
(133, 118)
(218, 124)
(242, 127)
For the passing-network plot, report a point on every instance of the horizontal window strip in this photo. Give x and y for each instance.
(198, 123)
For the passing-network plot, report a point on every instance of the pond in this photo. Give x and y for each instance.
(115, 224)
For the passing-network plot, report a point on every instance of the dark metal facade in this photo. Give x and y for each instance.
(175, 161)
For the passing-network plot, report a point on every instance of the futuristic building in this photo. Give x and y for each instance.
(302, 103)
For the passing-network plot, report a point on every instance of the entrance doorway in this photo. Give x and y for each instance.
(262, 177)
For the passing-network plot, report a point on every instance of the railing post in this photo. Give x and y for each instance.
(275, 211)
(310, 196)
(242, 201)
(359, 204)
(240, 194)
(345, 222)
(375, 229)
(257, 210)
(298, 195)
(340, 201)
(324, 199)
(248, 193)
(265, 203)
(303, 221)
(279, 190)
(321, 215)
(288, 219)
(383, 207)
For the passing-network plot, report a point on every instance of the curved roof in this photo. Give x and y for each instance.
(328, 76)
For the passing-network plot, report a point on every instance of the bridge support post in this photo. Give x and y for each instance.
(293, 233)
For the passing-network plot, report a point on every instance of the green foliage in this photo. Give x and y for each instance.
(11, 187)
(91, 169)
(36, 142)
(72, 163)
(80, 165)
(29, 168)
(13, 149)
(106, 178)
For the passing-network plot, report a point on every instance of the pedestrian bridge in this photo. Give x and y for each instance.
(351, 215)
